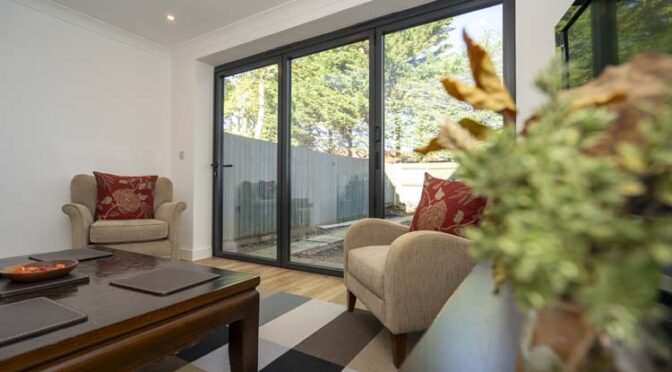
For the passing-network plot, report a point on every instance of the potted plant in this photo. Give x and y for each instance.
(578, 221)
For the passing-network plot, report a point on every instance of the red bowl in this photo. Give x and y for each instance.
(10, 272)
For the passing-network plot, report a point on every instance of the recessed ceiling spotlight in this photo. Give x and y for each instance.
(170, 17)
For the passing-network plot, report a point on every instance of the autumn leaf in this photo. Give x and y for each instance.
(476, 97)
(452, 136)
(432, 146)
(489, 92)
(625, 91)
(590, 100)
(482, 68)
(477, 129)
(597, 100)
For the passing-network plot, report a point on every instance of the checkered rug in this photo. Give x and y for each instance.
(298, 334)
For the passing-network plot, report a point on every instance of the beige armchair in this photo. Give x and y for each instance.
(157, 237)
(403, 277)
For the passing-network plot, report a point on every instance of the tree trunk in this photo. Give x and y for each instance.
(348, 139)
(262, 108)
(330, 142)
(397, 134)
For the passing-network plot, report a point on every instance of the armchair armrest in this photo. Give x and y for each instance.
(80, 220)
(171, 213)
(422, 270)
(371, 231)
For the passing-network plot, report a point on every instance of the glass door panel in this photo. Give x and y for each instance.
(329, 151)
(415, 103)
(249, 163)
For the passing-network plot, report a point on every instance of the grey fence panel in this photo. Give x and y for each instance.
(325, 188)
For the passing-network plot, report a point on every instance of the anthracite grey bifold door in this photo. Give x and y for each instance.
(314, 136)
(249, 165)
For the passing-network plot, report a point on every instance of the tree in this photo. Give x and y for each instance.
(330, 100)
(415, 102)
(330, 94)
(250, 104)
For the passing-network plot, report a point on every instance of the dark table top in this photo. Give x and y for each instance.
(475, 331)
(113, 310)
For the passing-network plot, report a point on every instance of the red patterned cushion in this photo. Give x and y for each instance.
(447, 206)
(124, 198)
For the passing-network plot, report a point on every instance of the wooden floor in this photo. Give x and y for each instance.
(321, 287)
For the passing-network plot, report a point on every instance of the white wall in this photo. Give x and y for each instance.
(535, 47)
(191, 114)
(75, 97)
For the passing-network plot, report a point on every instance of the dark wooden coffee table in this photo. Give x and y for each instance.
(128, 329)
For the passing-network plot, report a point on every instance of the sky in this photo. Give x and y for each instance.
(477, 23)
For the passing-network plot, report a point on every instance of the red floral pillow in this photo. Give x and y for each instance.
(124, 198)
(447, 206)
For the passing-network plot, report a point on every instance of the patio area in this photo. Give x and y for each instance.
(322, 247)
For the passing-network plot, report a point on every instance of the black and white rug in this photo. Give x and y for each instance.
(298, 334)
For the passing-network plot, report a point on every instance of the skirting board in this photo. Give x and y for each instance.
(195, 254)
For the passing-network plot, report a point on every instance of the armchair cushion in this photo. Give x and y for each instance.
(127, 231)
(124, 198)
(447, 206)
(367, 264)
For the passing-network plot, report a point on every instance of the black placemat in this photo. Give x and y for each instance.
(165, 281)
(10, 289)
(11, 261)
(79, 254)
(33, 317)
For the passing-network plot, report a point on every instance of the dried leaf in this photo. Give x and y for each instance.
(451, 137)
(477, 129)
(489, 92)
(432, 146)
(478, 98)
(625, 90)
(482, 68)
(597, 99)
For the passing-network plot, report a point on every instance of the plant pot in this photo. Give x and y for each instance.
(557, 338)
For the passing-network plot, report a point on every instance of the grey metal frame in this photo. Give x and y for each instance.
(604, 35)
(373, 31)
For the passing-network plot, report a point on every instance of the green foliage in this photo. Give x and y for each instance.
(330, 94)
(330, 100)
(415, 101)
(250, 106)
(643, 25)
(566, 226)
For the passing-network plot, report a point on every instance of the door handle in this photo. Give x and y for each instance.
(215, 166)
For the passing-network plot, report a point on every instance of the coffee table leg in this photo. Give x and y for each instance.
(244, 340)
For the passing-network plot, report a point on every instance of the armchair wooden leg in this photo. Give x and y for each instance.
(398, 349)
(351, 301)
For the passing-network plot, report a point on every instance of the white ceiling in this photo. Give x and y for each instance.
(147, 18)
